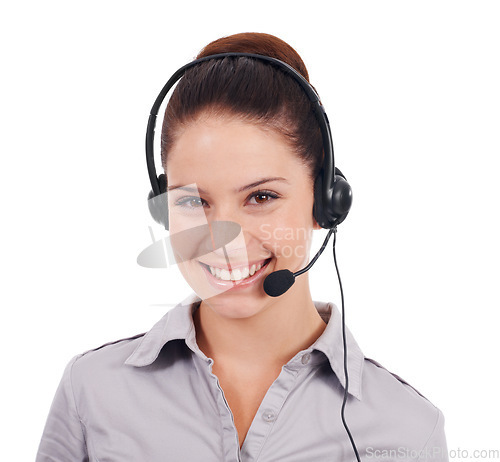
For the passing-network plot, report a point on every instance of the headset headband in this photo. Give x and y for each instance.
(329, 160)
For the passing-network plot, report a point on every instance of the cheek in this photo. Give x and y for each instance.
(288, 232)
(286, 240)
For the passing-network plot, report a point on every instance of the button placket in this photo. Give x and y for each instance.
(268, 413)
(229, 445)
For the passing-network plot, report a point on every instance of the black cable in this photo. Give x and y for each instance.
(327, 238)
(345, 351)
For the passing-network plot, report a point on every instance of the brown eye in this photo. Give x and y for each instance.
(263, 197)
(259, 197)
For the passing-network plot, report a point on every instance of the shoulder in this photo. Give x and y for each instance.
(374, 371)
(394, 393)
(108, 356)
(400, 409)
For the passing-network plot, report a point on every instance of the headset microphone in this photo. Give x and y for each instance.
(278, 282)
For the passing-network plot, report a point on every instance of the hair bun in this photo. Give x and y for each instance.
(258, 43)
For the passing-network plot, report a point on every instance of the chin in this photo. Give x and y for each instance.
(227, 308)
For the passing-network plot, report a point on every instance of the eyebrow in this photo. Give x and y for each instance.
(237, 190)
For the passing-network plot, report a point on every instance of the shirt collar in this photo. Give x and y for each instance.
(178, 323)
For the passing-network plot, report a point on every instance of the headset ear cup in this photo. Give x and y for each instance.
(158, 208)
(158, 205)
(341, 198)
(335, 211)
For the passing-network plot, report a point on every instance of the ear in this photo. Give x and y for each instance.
(315, 224)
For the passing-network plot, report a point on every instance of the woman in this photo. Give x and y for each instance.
(230, 373)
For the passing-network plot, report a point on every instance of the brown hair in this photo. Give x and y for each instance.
(250, 90)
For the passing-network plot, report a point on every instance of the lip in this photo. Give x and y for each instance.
(235, 285)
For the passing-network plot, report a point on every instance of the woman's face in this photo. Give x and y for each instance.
(218, 160)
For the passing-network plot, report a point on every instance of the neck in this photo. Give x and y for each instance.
(269, 338)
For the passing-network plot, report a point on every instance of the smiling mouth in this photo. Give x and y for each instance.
(237, 274)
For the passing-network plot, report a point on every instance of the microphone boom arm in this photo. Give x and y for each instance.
(325, 242)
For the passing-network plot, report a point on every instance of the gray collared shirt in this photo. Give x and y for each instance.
(153, 398)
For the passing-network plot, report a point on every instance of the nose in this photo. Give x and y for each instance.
(226, 234)
(225, 216)
(222, 212)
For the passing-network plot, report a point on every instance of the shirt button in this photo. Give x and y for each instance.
(268, 415)
(305, 358)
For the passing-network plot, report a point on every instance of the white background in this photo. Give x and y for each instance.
(411, 90)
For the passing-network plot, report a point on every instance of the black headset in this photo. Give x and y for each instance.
(332, 192)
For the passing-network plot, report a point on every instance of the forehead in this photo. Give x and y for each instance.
(220, 149)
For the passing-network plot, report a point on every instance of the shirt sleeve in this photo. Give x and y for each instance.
(63, 437)
(436, 448)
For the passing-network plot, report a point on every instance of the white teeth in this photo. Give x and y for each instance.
(235, 275)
